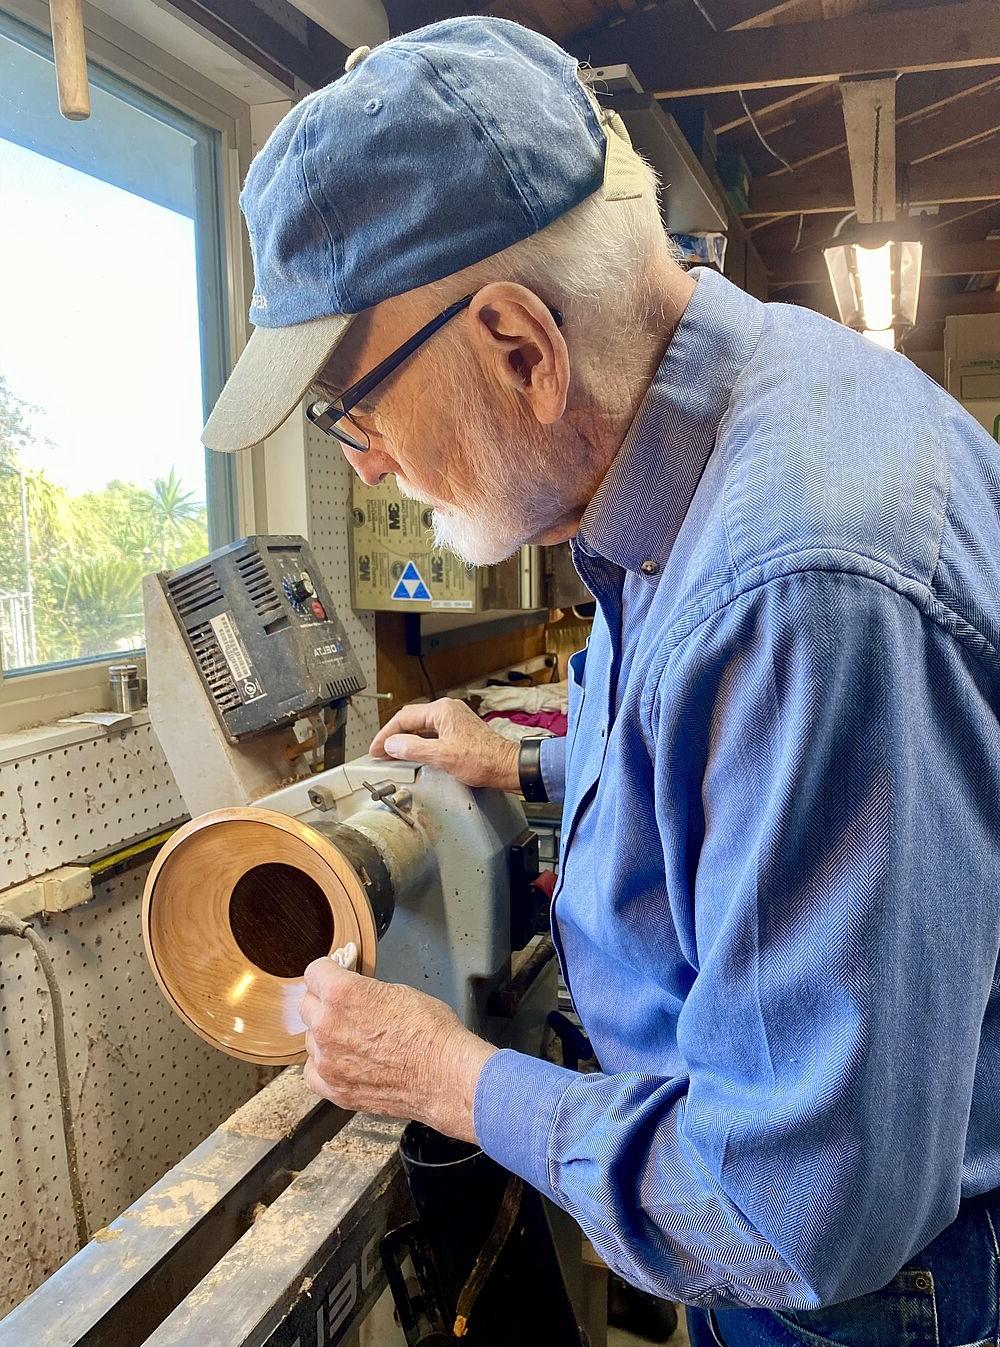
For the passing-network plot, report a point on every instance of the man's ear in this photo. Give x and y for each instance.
(521, 347)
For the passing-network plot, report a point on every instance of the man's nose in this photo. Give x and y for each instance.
(372, 467)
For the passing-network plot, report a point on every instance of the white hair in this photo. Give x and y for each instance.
(597, 264)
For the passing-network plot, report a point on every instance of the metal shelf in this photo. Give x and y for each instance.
(428, 632)
(691, 202)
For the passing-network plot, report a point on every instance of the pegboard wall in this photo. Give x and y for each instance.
(63, 805)
(328, 477)
(145, 1089)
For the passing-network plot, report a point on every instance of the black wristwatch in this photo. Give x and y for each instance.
(529, 772)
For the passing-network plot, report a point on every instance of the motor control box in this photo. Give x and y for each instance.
(263, 633)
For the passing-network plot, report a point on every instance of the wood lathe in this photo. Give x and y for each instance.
(271, 1230)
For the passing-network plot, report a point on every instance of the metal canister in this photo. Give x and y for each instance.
(126, 690)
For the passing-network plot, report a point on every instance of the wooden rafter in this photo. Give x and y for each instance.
(954, 120)
(951, 128)
(870, 121)
(975, 129)
(733, 15)
(803, 138)
(932, 308)
(675, 63)
(973, 175)
(765, 110)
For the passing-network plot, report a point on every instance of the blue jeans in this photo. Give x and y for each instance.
(948, 1296)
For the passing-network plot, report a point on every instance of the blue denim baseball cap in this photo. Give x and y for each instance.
(434, 151)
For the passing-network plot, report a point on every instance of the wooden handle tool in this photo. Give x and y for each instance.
(71, 58)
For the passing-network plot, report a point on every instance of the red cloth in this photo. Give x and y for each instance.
(554, 721)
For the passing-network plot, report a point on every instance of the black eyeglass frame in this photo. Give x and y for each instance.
(326, 416)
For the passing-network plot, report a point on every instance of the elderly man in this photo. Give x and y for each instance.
(779, 905)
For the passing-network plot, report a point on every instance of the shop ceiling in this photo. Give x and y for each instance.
(786, 63)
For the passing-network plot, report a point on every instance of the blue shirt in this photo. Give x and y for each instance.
(779, 904)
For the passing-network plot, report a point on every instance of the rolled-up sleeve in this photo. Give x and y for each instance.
(818, 740)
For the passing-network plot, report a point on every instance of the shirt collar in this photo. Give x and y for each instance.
(637, 511)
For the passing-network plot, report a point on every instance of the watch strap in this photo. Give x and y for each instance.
(529, 771)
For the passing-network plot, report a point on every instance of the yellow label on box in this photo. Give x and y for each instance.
(395, 565)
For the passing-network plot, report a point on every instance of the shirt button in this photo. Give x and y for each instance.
(650, 568)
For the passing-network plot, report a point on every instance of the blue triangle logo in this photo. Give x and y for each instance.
(410, 585)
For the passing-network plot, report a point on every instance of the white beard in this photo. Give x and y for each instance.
(515, 498)
(478, 542)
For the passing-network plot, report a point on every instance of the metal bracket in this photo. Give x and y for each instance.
(389, 794)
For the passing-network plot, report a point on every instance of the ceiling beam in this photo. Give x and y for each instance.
(932, 308)
(803, 138)
(924, 134)
(940, 259)
(764, 111)
(870, 122)
(950, 128)
(959, 223)
(931, 131)
(973, 175)
(674, 62)
(736, 14)
(255, 29)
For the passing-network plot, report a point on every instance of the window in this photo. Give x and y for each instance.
(112, 349)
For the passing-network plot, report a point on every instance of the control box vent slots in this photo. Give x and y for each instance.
(213, 667)
(194, 589)
(260, 587)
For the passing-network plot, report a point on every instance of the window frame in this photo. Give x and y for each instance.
(40, 696)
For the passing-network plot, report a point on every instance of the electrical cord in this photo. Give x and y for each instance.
(761, 137)
(798, 236)
(427, 678)
(11, 925)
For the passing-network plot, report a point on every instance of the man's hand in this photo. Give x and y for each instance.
(448, 735)
(385, 1048)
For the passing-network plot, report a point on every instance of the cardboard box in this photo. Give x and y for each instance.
(972, 362)
(395, 566)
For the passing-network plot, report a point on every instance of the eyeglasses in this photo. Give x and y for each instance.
(330, 416)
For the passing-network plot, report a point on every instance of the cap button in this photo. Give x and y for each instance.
(356, 57)
(650, 568)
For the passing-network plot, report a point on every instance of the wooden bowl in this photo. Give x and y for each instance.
(237, 903)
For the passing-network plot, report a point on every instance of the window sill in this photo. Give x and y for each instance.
(23, 744)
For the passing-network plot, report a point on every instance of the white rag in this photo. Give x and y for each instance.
(346, 956)
(527, 697)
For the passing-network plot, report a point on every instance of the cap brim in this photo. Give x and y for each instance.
(271, 377)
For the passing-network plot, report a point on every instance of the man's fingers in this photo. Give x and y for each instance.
(325, 980)
(315, 1082)
(407, 720)
(421, 718)
(411, 748)
(310, 1010)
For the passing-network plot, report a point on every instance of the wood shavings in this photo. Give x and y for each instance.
(276, 1111)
